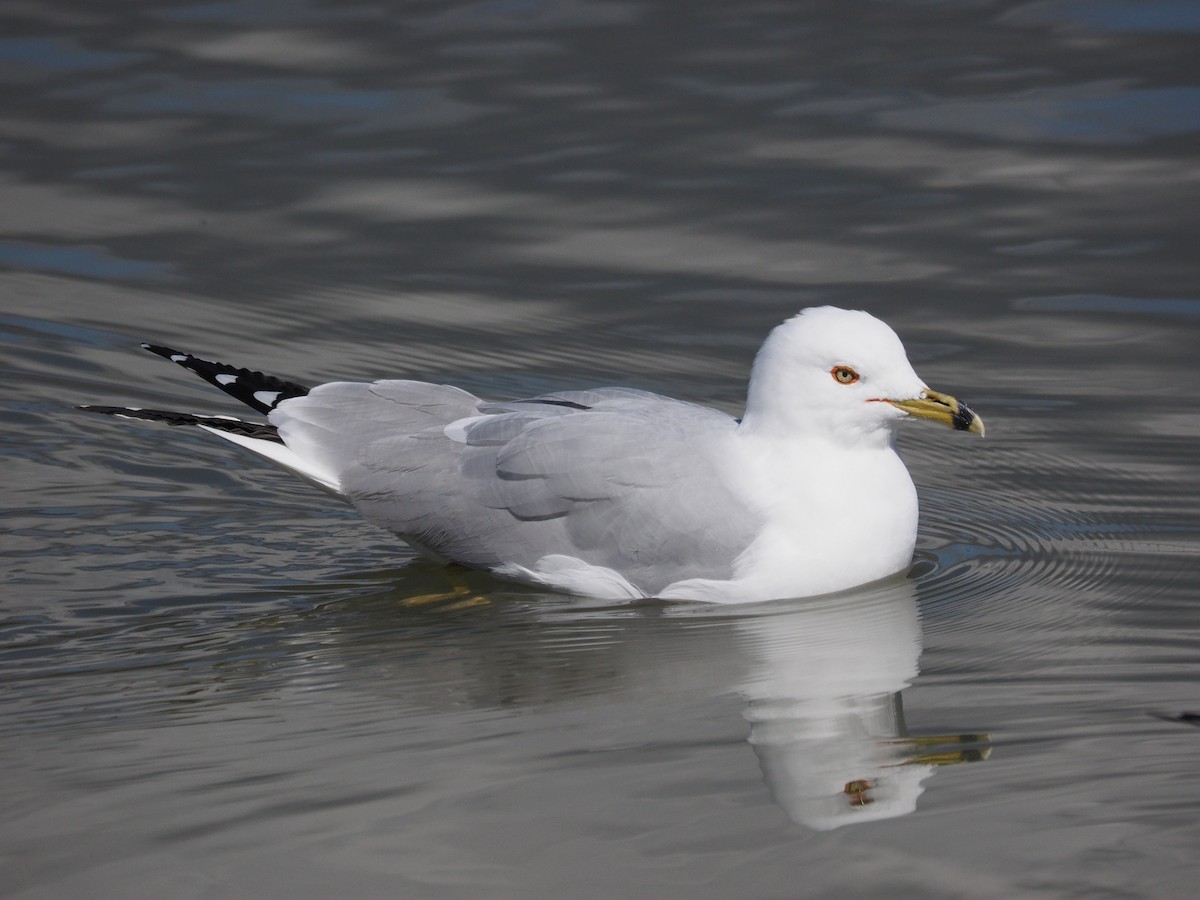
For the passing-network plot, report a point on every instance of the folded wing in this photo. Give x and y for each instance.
(615, 477)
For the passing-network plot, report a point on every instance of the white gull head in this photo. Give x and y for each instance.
(828, 373)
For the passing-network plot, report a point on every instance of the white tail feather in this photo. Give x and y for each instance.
(286, 458)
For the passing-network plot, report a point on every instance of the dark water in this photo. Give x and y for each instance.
(214, 684)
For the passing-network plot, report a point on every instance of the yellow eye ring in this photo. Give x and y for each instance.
(843, 374)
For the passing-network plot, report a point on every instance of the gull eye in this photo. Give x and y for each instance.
(843, 374)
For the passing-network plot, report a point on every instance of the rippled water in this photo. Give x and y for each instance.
(215, 684)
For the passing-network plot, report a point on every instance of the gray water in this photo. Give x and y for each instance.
(213, 683)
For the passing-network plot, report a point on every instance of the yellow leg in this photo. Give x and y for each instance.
(939, 749)
(458, 592)
(474, 600)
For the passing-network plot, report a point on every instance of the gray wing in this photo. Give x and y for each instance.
(616, 477)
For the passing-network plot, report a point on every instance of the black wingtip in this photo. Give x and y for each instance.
(260, 392)
(165, 352)
(229, 424)
(107, 410)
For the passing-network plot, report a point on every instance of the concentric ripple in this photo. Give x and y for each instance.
(1043, 530)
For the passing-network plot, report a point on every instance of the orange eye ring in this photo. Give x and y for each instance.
(843, 374)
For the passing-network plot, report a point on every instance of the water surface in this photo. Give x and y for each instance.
(215, 684)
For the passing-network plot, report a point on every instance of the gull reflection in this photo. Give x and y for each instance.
(819, 681)
(825, 712)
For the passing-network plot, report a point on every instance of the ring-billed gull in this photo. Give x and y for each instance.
(620, 493)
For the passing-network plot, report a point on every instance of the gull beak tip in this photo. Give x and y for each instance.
(965, 419)
(942, 408)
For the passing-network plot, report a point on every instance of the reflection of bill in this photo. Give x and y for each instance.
(825, 714)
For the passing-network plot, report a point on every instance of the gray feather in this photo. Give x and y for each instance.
(615, 477)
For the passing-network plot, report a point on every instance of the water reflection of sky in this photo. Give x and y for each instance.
(56, 55)
(552, 140)
(75, 260)
(291, 101)
(1103, 113)
(1112, 111)
(1180, 16)
(262, 12)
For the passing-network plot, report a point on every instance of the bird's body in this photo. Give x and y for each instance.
(620, 493)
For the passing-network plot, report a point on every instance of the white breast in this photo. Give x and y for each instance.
(834, 518)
